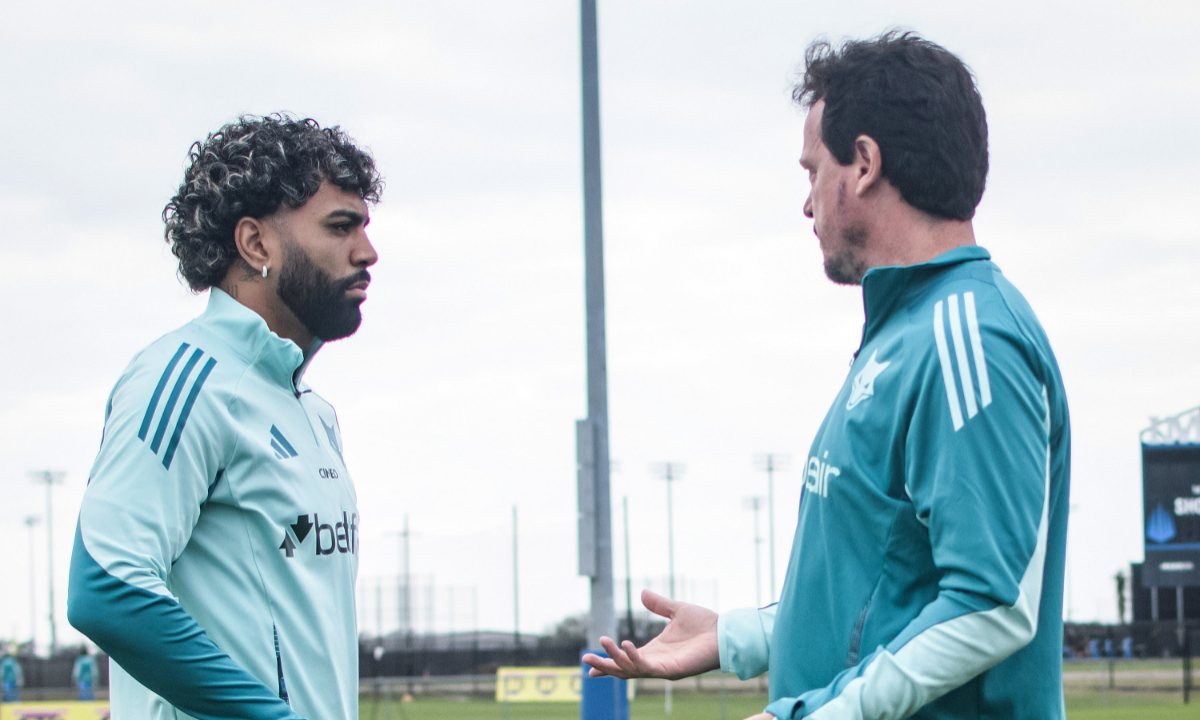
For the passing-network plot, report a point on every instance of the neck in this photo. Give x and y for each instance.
(907, 236)
(258, 294)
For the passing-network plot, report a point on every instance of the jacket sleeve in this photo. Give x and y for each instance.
(162, 450)
(977, 471)
(744, 640)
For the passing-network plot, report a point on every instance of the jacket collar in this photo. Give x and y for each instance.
(246, 333)
(885, 286)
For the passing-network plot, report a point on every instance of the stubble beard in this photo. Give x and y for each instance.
(316, 298)
(846, 266)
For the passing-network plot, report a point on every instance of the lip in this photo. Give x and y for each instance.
(358, 290)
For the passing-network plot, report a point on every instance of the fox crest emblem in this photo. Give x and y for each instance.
(863, 386)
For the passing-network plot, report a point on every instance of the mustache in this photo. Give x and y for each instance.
(344, 284)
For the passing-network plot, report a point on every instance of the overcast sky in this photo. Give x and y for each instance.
(457, 398)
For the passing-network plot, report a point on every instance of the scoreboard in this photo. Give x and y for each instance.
(1171, 514)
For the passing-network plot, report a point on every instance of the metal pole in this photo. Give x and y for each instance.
(670, 536)
(50, 479)
(30, 522)
(628, 574)
(771, 519)
(407, 586)
(602, 619)
(1179, 614)
(516, 592)
(757, 555)
(771, 463)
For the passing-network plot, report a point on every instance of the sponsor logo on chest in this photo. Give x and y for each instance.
(819, 471)
(340, 536)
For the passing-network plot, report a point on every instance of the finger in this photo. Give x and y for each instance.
(658, 604)
(634, 654)
(615, 653)
(600, 666)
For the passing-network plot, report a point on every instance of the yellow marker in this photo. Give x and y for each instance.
(536, 684)
(67, 710)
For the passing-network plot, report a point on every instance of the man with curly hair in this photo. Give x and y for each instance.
(217, 544)
(926, 576)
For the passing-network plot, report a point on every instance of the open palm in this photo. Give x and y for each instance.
(686, 647)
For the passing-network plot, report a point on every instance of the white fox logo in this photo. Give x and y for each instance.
(863, 386)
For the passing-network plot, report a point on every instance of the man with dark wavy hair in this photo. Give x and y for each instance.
(217, 545)
(926, 574)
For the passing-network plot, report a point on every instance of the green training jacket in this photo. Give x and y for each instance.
(926, 575)
(217, 544)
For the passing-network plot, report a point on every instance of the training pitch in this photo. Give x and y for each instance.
(737, 707)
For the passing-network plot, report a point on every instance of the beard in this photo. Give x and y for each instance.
(845, 269)
(846, 266)
(317, 300)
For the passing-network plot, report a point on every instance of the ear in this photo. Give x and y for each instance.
(249, 236)
(868, 163)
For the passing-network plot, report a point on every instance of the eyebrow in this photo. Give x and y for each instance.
(352, 216)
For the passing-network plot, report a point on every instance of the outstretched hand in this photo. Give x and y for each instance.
(686, 647)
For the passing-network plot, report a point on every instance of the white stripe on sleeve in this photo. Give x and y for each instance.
(939, 334)
(948, 654)
(985, 388)
(960, 352)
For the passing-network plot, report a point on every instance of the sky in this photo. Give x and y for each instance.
(458, 396)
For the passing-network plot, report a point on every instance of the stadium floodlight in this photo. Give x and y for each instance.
(771, 463)
(755, 503)
(31, 522)
(50, 478)
(671, 472)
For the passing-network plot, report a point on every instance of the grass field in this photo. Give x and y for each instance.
(737, 707)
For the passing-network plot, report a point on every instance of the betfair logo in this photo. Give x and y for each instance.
(340, 537)
(819, 472)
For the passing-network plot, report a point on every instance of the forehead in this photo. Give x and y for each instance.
(328, 200)
(812, 132)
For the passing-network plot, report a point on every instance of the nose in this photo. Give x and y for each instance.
(808, 211)
(364, 255)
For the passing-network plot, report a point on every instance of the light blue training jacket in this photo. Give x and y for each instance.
(926, 575)
(217, 545)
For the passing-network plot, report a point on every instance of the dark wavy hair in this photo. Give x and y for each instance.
(249, 168)
(918, 101)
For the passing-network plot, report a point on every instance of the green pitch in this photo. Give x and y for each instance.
(688, 706)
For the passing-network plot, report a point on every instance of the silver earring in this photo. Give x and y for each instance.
(264, 270)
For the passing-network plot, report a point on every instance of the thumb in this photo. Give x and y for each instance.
(659, 605)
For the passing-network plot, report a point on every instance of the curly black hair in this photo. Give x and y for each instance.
(918, 101)
(249, 168)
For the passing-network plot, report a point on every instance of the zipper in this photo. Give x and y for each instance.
(856, 636)
(283, 693)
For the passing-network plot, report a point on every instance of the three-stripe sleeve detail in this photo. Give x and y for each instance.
(969, 377)
(960, 353)
(939, 334)
(158, 391)
(174, 398)
(168, 410)
(985, 388)
(186, 411)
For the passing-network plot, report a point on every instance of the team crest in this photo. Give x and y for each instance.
(863, 386)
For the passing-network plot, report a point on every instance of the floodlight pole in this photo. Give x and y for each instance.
(406, 590)
(671, 472)
(595, 542)
(516, 593)
(755, 503)
(31, 522)
(771, 463)
(628, 574)
(50, 479)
